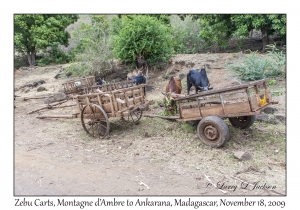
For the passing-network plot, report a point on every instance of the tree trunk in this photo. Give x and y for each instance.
(265, 39)
(31, 58)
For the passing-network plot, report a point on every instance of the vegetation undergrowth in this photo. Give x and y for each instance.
(55, 55)
(255, 66)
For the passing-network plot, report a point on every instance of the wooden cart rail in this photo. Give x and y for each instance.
(221, 90)
(107, 87)
(73, 86)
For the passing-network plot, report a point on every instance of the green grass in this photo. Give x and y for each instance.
(85, 137)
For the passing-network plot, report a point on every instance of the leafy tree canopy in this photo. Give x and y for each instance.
(272, 23)
(33, 32)
(218, 28)
(164, 18)
(93, 51)
(143, 36)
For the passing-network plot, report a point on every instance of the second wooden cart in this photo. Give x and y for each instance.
(239, 103)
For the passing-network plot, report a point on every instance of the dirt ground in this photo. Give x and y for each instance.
(154, 157)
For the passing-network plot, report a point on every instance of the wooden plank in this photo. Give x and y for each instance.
(238, 107)
(221, 90)
(190, 113)
(130, 101)
(126, 97)
(107, 108)
(257, 94)
(269, 97)
(120, 101)
(136, 92)
(138, 99)
(249, 99)
(129, 93)
(189, 105)
(78, 105)
(174, 95)
(87, 100)
(126, 109)
(47, 107)
(212, 110)
(254, 103)
(199, 108)
(110, 115)
(38, 97)
(133, 96)
(111, 105)
(68, 116)
(266, 92)
(216, 110)
(222, 103)
(115, 104)
(221, 116)
(163, 117)
(188, 119)
(99, 100)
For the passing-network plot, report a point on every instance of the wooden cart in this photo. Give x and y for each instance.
(238, 103)
(88, 85)
(97, 103)
(75, 85)
(96, 108)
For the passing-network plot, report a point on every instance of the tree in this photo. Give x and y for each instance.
(142, 37)
(165, 18)
(218, 28)
(267, 24)
(93, 52)
(34, 32)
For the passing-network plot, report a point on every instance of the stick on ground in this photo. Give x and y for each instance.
(223, 191)
(48, 107)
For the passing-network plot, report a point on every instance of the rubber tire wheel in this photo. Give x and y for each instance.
(242, 122)
(213, 131)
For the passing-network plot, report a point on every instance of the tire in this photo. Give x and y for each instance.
(242, 122)
(213, 131)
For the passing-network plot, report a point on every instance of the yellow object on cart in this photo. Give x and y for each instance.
(263, 100)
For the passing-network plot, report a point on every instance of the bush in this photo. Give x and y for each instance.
(145, 36)
(186, 35)
(167, 102)
(256, 66)
(93, 53)
(20, 61)
(54, 55)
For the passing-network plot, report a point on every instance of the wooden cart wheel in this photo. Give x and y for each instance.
(213, 131)
(95, 121)
(134, 116)
(242, 122)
